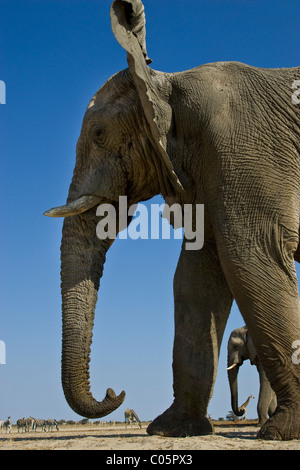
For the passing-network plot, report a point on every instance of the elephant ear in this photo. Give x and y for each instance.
(128, 25)
(251, 349)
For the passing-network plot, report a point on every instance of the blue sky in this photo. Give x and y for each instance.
(54, 55)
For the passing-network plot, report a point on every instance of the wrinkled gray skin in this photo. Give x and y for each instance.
(240, 347)
(225, 135)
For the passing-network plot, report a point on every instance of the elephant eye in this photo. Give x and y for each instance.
(98, 136)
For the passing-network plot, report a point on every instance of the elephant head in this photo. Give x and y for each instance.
(240, 348)
(122, 150)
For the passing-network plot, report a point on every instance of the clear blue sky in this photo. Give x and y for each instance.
(54, 55)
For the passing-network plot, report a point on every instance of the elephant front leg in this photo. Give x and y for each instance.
(202, 305)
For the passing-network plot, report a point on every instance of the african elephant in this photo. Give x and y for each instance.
(240, 348)
(225, 135)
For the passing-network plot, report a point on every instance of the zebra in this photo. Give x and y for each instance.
(50, 423)
(8, 424)
(32, 420)
(39, 423)
(130, 417)
(25, 424)
(1, 425)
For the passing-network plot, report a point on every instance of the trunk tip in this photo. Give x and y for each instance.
(111, 395)
(88, 407)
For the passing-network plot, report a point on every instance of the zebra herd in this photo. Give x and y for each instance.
(29, 424)
(32, 424)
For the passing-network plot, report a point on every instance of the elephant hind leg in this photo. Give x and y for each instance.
(266, 291)
(202, 305)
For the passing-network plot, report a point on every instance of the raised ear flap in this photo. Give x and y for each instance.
(128, 25)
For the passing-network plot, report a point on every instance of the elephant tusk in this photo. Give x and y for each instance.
(232, 366)
(76, 207)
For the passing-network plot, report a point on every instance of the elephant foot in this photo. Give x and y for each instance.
(175, 423)
(284, 425)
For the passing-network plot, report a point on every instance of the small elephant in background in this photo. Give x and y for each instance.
(240, 348)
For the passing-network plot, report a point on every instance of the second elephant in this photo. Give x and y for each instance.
(240, 348)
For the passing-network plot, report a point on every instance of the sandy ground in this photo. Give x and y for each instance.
(117, 438)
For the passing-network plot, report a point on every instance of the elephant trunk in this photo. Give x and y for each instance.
(233, 382)
(82, 261)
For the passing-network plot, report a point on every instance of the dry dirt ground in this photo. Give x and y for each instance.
(117, 438)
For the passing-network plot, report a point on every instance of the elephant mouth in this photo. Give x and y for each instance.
(236, 364)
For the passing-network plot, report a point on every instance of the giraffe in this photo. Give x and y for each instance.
(130, 417)
(243, 407)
